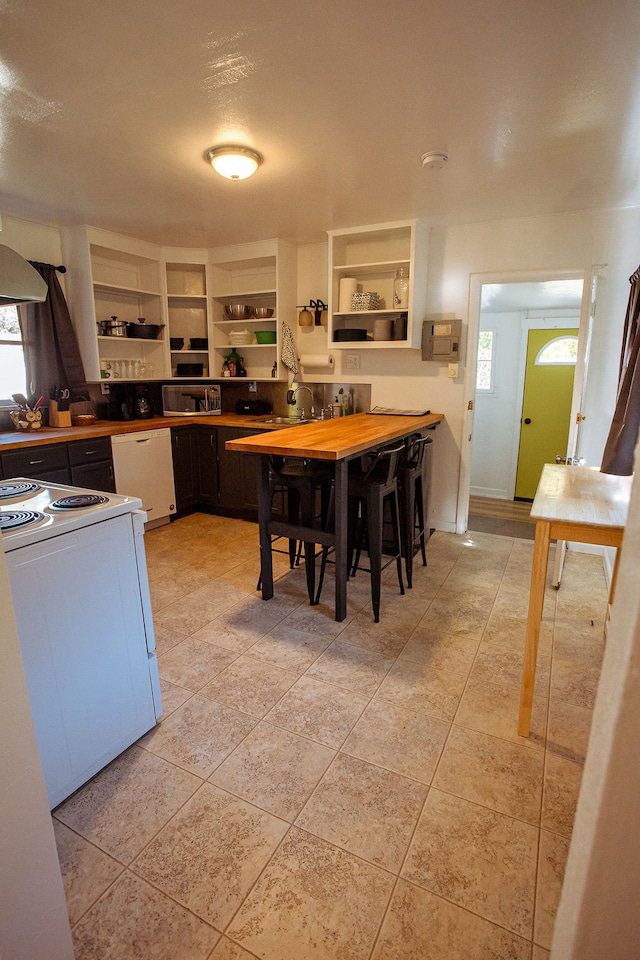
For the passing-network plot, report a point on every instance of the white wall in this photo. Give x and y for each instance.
(598, 916)
(564, 242)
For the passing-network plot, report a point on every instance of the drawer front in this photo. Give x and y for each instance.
(89, 451)
(35, 461)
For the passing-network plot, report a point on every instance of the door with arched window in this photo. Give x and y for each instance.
(546, 404)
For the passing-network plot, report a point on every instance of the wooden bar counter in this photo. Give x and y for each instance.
(337, 441)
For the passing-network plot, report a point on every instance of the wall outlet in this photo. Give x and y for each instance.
(353, 361)
(104, 387)
(253, 386)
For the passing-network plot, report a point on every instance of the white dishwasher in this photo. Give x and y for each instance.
(143, 467)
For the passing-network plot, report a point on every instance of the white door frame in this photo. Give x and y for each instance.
(476, 282)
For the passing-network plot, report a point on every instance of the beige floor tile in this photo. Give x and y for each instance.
(293, 650)
(381, 638)
(493, 708)
(562, 779)
(539, 953)
(135, 921)
(569, 729)
(398, 739)
(125, 805)
(421, 926)
(198, 735)
(192, 663)
(238, 627)
(366, 810)
(510, 634)
(351, 667)
(249, 685)
(423, 689)
(481, 860)
(455, 654)
(275, 769)
(339, 903)
(86, 871)
(449, 615)
(574, 682)
(227, 950)
(579, 642)
(214, 836)
(496, 664)
(552, 860)
(318, 620)
(172, 696)
(506, 777)
(318, 710)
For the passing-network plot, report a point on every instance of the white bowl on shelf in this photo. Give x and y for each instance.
(240, 338)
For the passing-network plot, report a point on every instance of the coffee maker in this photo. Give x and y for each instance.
(142, 405)
(121, 402)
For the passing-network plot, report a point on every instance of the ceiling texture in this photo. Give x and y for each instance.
(107, 110)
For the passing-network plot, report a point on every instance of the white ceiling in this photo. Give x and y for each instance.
(106, 111)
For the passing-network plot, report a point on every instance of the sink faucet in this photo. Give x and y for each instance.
(291, 399)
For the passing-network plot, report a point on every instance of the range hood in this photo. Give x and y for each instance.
(19, 282)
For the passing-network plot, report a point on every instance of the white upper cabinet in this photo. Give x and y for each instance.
(111, 276)
(185, 291)
(261, 277)
(365, 261)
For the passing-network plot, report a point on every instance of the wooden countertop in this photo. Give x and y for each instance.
(334, 439)
(581, 495)
(16, 439)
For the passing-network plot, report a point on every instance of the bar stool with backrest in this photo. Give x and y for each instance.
(372, 484)
(301, 480)
(413, 496)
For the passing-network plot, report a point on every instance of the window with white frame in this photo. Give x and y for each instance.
(485, 368)
(13, 378)
(562, 351)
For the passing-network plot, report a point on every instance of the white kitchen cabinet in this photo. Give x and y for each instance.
(108, 276)
(373, 255)
(187, 314)
(261, 274)
(143, 467)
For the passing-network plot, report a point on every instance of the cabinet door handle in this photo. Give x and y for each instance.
(89, 453)
(33, 463)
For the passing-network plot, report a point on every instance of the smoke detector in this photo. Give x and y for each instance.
(435, 159)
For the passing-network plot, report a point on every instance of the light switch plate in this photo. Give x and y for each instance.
(453, 370)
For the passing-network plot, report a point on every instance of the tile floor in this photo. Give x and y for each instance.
(348, 791)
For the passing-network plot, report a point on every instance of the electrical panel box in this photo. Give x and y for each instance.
(441, 339)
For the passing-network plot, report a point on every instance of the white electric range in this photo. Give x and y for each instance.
(80, 591)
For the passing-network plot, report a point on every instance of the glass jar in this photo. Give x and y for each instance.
(401, 289)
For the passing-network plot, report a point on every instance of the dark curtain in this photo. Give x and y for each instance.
(623, 433)
(51, 349)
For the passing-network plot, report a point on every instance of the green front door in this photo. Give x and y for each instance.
(546, 411)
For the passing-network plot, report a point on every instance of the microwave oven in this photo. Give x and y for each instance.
(191, 400)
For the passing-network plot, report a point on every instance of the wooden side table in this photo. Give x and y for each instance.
(571, 503)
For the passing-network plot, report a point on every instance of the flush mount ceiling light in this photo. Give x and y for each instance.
(435, 159)
(234, 162)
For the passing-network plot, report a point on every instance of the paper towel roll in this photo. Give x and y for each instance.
(317, 361)
(348, 286)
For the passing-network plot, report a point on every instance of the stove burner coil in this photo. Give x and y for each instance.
(79, 500)
(20, 489)
(11, 519)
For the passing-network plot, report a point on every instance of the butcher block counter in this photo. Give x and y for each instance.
(336, 441)
(16, 439)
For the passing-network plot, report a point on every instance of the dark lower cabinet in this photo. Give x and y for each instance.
(237, 474)
(83, 463)
(184, 442)
(207, 467)
(208, 476)
(92, 465)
